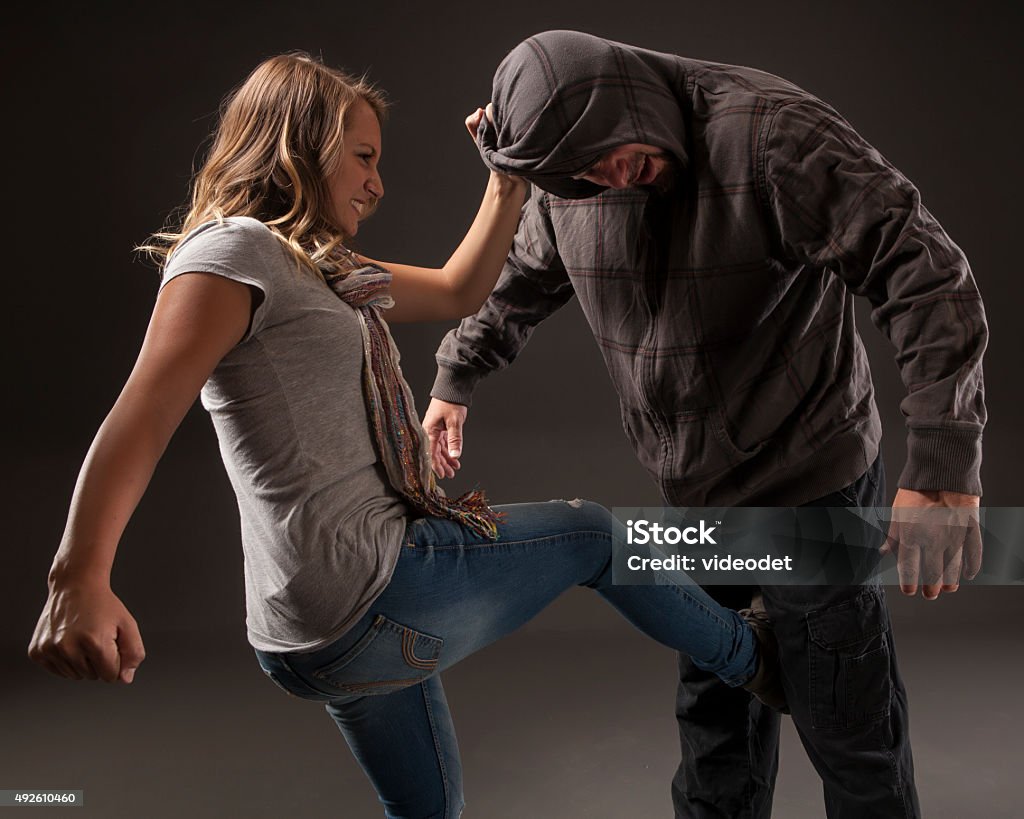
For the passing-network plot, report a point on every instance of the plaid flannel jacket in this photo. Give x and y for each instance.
(724, 310)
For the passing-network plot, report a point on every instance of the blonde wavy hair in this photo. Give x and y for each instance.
(279, 137)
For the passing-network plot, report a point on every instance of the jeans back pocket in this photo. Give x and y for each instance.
(388, 657)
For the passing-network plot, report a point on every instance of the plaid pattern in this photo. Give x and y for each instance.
(724, 309)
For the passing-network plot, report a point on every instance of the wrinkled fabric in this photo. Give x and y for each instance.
(848, 701)
(401, 441)
(454, 592)
(549, 130)
(321, 525)
(724, 308)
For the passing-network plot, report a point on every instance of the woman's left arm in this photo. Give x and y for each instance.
(460, 287)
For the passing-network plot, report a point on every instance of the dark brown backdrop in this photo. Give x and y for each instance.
(104, 113)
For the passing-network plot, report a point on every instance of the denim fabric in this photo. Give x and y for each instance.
(843, 686)
(453, 593)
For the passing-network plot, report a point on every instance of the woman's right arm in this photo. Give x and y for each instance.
(84, 630)
(458, 288)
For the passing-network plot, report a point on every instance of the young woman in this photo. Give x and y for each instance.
(363, 581)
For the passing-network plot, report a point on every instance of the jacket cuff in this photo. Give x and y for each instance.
(943, 459)
(454, 385)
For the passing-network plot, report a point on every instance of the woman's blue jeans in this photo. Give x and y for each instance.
(453, 593)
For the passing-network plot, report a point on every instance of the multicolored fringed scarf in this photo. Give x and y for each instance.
(401, 441)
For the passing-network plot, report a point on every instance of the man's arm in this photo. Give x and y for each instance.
(532, 286)
(837, 203)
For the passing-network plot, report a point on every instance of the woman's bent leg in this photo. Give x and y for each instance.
(405, 742)
(680, 614)
(473, 591)
(452, 593)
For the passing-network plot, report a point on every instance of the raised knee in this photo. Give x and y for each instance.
(591, 515)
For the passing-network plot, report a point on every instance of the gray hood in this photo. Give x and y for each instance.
(563, 98)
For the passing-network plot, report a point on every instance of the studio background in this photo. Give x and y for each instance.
(105, 116)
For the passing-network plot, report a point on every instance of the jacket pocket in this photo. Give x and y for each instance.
(732, 450)
(387, 658)
(848, 648)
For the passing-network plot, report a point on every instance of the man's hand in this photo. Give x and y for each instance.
(85, 632)
(443, 425)
(935, 536)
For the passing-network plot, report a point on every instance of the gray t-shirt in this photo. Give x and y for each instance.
(321, 525)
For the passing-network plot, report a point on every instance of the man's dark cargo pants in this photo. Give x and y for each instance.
(848, 703)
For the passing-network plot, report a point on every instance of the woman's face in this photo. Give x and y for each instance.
(356, 182)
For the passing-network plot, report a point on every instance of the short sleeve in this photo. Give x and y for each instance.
(238, 248)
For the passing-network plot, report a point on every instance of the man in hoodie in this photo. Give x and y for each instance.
(715, 223)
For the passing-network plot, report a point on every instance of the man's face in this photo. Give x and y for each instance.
(630, 166)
